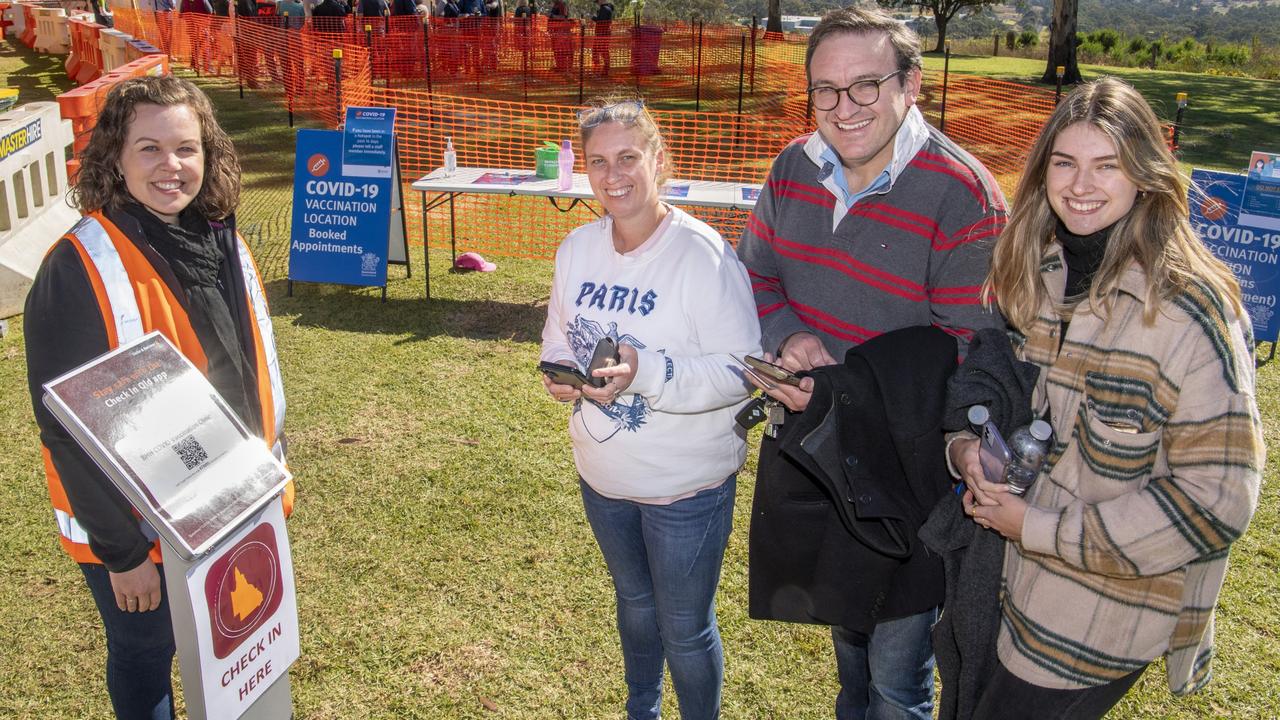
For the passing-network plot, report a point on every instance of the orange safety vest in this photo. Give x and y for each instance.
(135, 300)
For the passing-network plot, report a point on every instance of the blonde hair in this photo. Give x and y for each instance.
(631, 112)
(1156, 232)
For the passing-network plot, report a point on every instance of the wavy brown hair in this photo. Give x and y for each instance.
(1156, 233)
(99, 184)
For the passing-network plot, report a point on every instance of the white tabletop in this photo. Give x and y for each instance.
(705, 193)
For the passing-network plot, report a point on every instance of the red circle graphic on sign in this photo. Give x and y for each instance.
(1213, 209)
(318, 164)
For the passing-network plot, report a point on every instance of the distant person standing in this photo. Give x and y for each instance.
(603, 20)
(293, 12)
(491, 30)
(330, 15)
(374, 8)
(558, 26)
(472, 12)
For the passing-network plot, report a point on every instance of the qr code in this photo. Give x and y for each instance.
(190, 451)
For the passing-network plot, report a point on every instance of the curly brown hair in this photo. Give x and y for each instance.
(99, 185)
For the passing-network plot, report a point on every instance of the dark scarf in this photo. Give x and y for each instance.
(195, 250)
(1083, 256)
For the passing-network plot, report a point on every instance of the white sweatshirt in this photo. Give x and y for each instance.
(684, 302)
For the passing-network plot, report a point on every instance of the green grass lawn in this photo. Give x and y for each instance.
(444, 566)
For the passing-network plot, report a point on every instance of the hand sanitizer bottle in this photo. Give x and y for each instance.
(566, 166)
(450, 158)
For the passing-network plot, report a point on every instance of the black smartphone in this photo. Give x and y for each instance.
(563, 374)
(605, 355)
(769, 371)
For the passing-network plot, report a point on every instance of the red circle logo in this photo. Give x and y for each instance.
(1213, 209)
(318, 165)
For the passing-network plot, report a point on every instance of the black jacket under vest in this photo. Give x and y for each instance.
(843, 490)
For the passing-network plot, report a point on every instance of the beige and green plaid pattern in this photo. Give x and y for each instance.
(1154, 473)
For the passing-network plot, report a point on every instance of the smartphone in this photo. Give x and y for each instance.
(563, 374)
(993, 453)
(769, 371)
(605, 355)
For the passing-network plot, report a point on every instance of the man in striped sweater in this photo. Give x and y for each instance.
(874, 223)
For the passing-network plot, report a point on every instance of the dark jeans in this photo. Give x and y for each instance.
(1007, 697)
(140, 651)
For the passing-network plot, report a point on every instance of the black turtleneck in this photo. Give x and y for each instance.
(1082, 255)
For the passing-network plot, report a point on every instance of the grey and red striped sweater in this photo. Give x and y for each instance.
(915, 253)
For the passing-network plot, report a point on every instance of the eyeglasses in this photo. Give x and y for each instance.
(624, 112)
(863, 92)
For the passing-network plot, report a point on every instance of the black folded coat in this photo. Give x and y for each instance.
(843, 490)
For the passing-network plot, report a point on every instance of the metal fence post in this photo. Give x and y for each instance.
(426, 51)
(697, 92)
(337, 81)
(742, 67)
(582, 58)
(1059, 71)
(755, 25)
(946, 72)
(1177, 129)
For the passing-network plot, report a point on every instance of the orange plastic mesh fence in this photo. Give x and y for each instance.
(292, 67)
(499, 134)
(500, 88)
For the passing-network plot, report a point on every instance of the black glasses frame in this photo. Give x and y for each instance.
(848, 91)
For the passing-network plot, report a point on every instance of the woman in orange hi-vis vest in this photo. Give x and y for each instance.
(156, 250)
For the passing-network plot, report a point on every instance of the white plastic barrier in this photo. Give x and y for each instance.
(52, 34)
(114, 46)
(19, 19)
(33, 195)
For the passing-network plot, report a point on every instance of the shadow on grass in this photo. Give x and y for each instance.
(361, 310)
(38, 77)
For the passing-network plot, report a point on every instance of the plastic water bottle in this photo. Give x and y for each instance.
(450, 158)
(1028, 446)
(978, 416)
(565, 177)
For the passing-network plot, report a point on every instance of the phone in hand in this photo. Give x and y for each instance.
(993, 453)
(563, 374)
(605, 355)
(768, 371)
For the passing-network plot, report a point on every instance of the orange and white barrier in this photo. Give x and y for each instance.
(51, 31)
(33, 189)
(6, 18)
(114, 46)
(27, 31)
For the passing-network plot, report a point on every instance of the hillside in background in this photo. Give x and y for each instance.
(1218, 20)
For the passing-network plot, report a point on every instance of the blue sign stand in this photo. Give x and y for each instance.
(346, 192)
(1230, 228)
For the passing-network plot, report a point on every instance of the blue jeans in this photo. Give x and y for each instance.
(889, 675)
(140, 651)
(665, 562)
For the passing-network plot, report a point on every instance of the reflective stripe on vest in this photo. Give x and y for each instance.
(127, 319)
(253, 288)
(69, 528)
(106, 260)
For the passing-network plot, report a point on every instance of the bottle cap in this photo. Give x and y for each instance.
(978, 415)
(1041, 430)
(566, 143)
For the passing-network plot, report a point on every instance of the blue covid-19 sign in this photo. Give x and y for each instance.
(341, 219)
(1249, 248)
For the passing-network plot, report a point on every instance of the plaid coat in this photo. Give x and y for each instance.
(1154, 472)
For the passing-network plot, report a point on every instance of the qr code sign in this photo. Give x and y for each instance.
(190, 451)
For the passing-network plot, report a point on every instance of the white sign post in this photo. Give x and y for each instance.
(235, 620)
